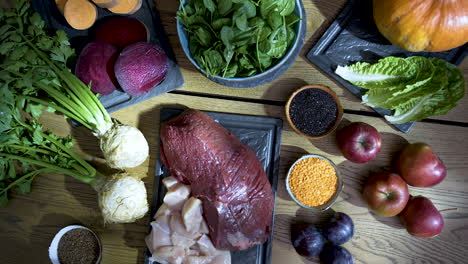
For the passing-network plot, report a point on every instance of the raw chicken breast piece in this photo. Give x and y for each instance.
(160, 234)
(224, 258)
(199, 259)
(169, 181)
(182, 241)
(192, 214)
(204, 227)
(176, 224)
(206, 246)
(169, 255)
(176, 196)
(163, 210)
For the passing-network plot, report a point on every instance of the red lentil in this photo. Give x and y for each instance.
(313, 181)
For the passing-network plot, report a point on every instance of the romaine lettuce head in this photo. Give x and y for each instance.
(428, 84)
(439, 103)
(415, 87)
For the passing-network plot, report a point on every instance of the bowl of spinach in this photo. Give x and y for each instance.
(241, 43)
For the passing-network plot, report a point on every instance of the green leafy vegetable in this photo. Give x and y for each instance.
(236, 38)
(27, 151)
(414, 88)
(33, 64)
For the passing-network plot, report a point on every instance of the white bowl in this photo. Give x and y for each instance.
(330, 202)
(53, 248)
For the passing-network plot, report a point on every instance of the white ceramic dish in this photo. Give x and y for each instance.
(53, 248)
(330, 202)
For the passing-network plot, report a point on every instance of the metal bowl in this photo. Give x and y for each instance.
(330, 202)
(264, 77)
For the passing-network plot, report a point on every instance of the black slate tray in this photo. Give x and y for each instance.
(79, 38)
(353, 37)
(263, 135)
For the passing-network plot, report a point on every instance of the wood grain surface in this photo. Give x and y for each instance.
(30, 221)
(320, 14)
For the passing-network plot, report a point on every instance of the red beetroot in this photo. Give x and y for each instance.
(140, 67)
(121, 31)
(95, 65)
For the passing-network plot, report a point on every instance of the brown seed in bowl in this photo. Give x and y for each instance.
(78, 246)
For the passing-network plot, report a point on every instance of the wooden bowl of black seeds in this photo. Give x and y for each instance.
(314, 111)
(75, 244)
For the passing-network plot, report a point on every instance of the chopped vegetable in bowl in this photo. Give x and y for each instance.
(238, 38)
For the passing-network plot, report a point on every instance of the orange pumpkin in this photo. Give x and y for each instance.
(423, 25)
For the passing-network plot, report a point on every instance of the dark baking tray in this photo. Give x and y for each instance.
(263, 135)
(353, 37)
(79, 38)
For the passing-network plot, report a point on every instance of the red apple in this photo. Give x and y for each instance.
(420, 166)
(386, 193)
(359, 142)
(421, 218)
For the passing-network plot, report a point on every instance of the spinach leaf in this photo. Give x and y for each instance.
(231, 70)
(227, 35)
(285, 7)
(279, 42)
(275, 20)
(238, 37)
(224, 6)
(247, 8)
(203, 36)
(210, 5)
(241, 22)
(214, 62)
(219, 23)
(291, 35)
(292, 19)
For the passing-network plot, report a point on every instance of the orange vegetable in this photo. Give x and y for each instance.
(106, 3)
(313, 181)
(80, 14)
(126, 7)
(60, 4)
(423, 25)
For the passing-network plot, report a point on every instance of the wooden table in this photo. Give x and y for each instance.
(30, 221)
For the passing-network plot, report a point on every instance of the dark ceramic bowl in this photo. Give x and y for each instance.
(264, 77)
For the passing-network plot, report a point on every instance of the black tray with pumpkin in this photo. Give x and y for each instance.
(354, 37)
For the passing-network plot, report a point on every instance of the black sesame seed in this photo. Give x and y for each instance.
(313, 111)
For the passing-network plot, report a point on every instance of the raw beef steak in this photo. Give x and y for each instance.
(224, 174)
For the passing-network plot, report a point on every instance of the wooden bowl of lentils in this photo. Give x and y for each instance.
(314, 111)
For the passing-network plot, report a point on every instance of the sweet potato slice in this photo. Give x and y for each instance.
(95, 65)
(80, 14)
(126, 7)
(141, 67)
(121, 31)
(106, 3)
(60, 5)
